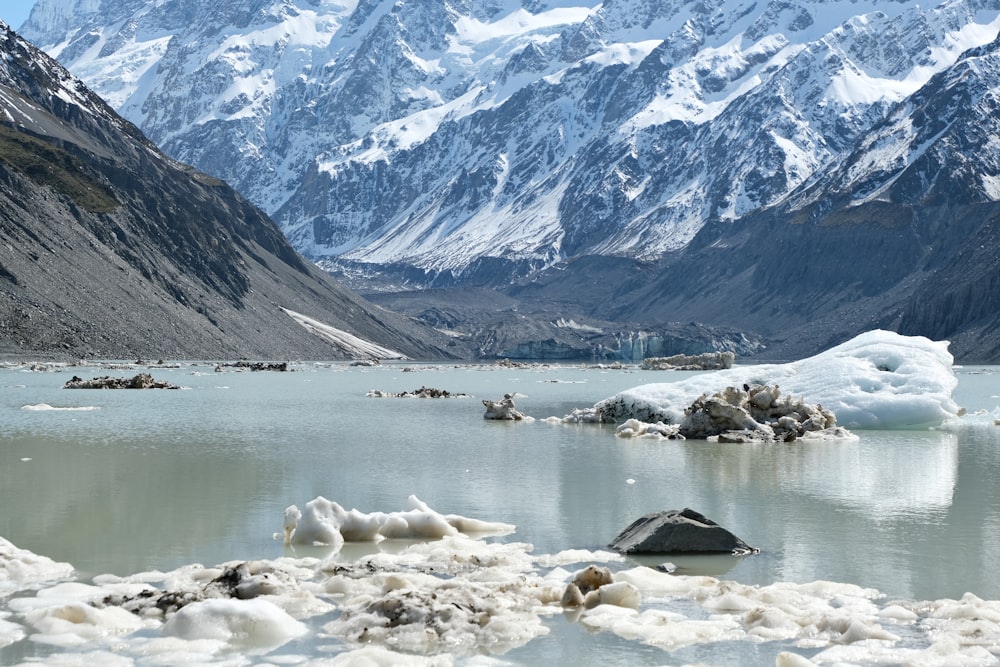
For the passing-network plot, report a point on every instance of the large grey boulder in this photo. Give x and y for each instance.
(673, 531)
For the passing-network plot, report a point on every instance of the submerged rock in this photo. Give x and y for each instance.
(673, 531)
(140, 381)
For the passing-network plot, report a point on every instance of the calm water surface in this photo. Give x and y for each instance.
(153, 480)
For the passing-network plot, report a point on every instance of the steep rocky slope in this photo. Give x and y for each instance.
(110, 249)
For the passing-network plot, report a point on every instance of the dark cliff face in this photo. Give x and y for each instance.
(110, 249)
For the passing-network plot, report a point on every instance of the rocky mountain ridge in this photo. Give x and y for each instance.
(898, 233)
(109, 249)
(478, 141)
(797, 172)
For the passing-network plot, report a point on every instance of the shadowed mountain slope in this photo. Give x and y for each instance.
(110, 249)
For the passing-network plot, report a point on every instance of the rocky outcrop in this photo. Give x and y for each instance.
(504, 409)
(140, 381)
(280, 366)
(673, 531)
(111, 250)
(708, 361)
(753, 413)
(423, 392)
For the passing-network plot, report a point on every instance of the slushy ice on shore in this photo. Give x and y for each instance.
(432, 588)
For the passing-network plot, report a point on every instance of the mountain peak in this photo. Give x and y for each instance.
(435, 134)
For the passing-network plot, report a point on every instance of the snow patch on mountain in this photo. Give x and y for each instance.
(349, 343)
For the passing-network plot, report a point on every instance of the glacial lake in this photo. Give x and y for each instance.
(136, 481)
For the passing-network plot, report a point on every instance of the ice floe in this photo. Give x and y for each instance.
(21, 569)
(326, 522)
(878, 379)
(45, 407)
(452, 596)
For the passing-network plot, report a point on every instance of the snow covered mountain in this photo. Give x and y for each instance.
(108, 248)
(900, 231)
(484, 140)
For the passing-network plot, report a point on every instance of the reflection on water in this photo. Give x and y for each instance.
(154, 480)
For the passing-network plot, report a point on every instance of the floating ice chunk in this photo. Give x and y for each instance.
(21, 569)
(787, 659)
(981, 419)
(948, 652)
(456, 595)
(878, 379)
(658, 627)
(898, 613)
(326, 522)
(579, 416)
(619, 594)
(10, 633)
(654, 583)
(45, 407)
(469, 526)
(377, 656)
(319, 523)
(255, 623)
(633, 428)
(419, 522)
(442, 601)
(77, 623)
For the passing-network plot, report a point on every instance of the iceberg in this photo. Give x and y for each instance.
(325, 522)
(459, 597)
(877, 380)
(21, 569)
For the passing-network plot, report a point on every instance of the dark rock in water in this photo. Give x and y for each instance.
(676, 531)
(140, 381)
(280, 367)
(243, 581)
(423, 392)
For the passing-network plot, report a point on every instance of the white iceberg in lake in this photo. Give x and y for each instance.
(326, 522)
(250, 624)
(878, 379)
(21, 569)
(457, 597)
(438, 601)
